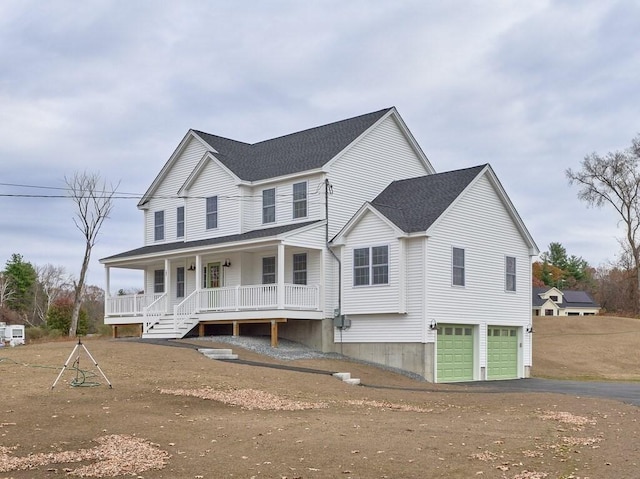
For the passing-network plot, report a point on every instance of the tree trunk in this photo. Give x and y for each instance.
(77, 300)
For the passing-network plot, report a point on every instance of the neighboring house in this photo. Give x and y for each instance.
(554, 302)
(341, 237)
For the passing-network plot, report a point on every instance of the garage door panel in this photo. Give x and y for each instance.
(455, 353)
(502, 352)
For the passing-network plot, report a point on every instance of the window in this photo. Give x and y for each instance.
(269, 205)
(510, 273)
(457, 267)
(371, 266)
(554, 298)
(269, 270)
(158, 281)
(158, 230)
(300, 200)
(212, 212)
(300, 268)
(180, 222)
(180, 282)
(548, 312)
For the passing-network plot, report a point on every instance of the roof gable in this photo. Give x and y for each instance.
(414, 204)
(417, 204)
(302, 151)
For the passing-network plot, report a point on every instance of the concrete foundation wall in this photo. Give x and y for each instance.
(316, 334)
(412, 357)
(416, 358)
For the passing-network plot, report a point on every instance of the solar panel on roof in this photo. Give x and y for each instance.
(576, 297)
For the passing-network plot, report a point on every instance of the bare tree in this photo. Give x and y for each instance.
(614, 179)
(52, 281)
(94, 202)
(5, 289)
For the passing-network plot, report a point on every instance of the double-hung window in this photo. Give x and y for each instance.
(510, 273)
(180, 282)
(300, 268)
(371, 266)
(457, 267)
(269, 270)
(158, 226)
(180, 222)
(300, 200)
(212, 212)
(269, 205)
(158, 281)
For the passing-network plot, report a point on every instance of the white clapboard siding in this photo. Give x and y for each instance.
(371, 231)
(382, 156)
(480, 224)
(213, 180)
(252, 203)
(390, 327)
(164, 198)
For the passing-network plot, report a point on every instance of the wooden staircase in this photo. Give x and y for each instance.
(164, 328)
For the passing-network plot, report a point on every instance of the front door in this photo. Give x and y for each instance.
(213, 275)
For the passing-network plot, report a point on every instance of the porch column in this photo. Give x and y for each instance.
(107, 289)
(167, 281)
(198, 272)
(280, 274)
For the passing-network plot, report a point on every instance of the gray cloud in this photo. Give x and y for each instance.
(113, 87)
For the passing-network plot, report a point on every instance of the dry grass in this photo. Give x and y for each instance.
(173, 413)
(587, 347)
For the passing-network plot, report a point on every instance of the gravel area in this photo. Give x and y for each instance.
(286, 350)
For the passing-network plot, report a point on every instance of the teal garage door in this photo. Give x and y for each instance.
(455, 352)
(502, 352)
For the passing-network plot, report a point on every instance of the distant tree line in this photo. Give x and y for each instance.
(42, 298)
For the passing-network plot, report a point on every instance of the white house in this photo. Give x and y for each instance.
(554, 302)
(341, 237)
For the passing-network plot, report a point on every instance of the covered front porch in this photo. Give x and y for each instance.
(228, 284)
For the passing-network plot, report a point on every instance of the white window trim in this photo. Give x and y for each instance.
(206, 213)
(275, 268)
(155, 225)
(275, 201)
(370, 248)
(515, 275)
(183, 222)
(306, 200)
(464, 268)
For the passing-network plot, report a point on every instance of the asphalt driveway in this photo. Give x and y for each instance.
(628, 392)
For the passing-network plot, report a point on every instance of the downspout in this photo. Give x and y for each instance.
(338, 318)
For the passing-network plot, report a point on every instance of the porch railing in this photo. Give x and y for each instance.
(152, 313)
(230, 298)
(130, 304)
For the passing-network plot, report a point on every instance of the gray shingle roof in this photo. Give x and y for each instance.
(415, 203)
(293, 153)
(571, 299)
(177, 246)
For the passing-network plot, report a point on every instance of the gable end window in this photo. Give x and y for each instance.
(300, 200)
(180, 222)
(269, 205)
(371, 266)
(300, 268)
(457, 267)
(158, 226)
(510, 273)
(212, 212)
(158, 281)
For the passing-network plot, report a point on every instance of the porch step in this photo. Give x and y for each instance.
(346, 377)
(214, 353)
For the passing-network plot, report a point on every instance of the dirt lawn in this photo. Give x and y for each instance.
(173, 413)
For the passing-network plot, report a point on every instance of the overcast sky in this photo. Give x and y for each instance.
(112, 87)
